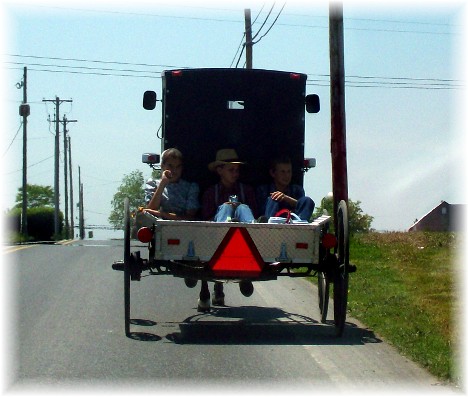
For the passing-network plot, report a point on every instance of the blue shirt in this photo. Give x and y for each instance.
(178, 197)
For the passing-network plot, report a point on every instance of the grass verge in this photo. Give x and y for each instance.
(405, 291)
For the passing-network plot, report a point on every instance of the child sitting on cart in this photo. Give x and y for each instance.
(172, 197)
(280, 194)
(229, 199)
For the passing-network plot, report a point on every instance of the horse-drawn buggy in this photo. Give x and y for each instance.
(260, 113)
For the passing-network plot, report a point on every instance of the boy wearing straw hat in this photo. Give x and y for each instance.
(229, 198)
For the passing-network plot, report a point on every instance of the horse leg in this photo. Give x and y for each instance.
(218, 298)
(204, 298)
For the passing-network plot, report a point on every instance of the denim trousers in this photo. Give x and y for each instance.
(242, 212)
(304, 208)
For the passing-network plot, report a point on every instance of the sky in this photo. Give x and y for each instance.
(405, 96)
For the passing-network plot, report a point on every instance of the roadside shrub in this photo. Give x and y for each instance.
(41, 224)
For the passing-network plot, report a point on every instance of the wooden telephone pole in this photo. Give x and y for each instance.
(72, 221)
(248, 39)
(81, 206)
(24, 111)
(65, 121)
(57, 102)
(337, 106)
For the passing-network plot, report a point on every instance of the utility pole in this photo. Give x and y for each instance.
(56, 171)
(81, 207)
(57, 102)
(248, 38)
(337, 105)
(24, 111)
(65, 171)
(72, 222)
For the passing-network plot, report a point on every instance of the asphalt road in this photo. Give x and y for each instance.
(65, 330)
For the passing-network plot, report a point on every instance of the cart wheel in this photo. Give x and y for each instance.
(323, 295)
(340, 288)
(127, 259)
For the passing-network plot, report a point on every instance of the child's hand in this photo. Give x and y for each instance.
(153, 212)
(277, 196)
(234, 204)
(166, 176)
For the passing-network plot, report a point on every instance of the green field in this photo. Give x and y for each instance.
(407, 290)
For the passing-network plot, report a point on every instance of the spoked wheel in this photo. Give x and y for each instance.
(340, 288)
(323, 295)
(127, 259)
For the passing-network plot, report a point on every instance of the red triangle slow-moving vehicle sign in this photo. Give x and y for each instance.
(237, 255)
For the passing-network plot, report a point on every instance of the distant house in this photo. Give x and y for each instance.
(443, 218)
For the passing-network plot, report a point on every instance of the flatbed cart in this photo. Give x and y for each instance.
(261, 114)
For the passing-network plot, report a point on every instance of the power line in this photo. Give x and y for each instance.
(11, 143)
(94, 61)
(100, 71)
(188, 67)
(142, 14)
(255, 20)
(293, 15)
(396, 21)
(238, 48)
(271, 25)
(369, 81)
(29, 166)
(279, 24)
(85, 67)
(401, 78)
(383, 84)
(89, 73)
(240, 55)
(391, 82)
(264, 22)
(398, 31)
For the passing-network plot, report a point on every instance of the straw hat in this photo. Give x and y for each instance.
(224, 156)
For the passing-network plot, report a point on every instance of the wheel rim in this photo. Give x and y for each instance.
(340, 288)
(127, 265)
(323, 295)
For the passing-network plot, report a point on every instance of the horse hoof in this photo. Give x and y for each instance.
(203, 306)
